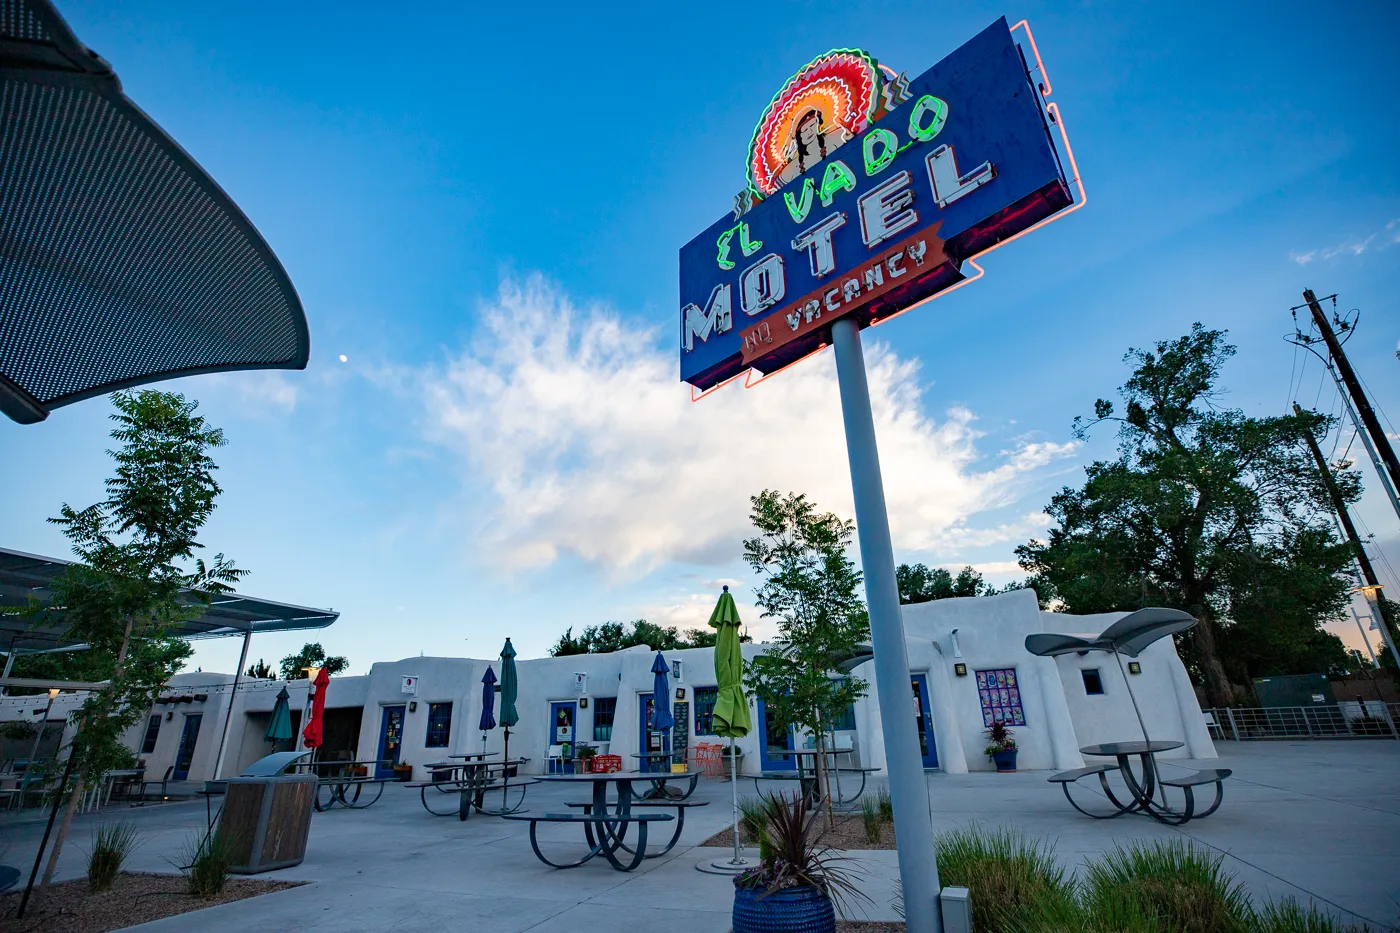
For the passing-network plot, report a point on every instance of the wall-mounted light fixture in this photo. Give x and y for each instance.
(169, 715)
(1134, 667)
(960, 669)
(413, 706)
(583, 702)
(680, 693)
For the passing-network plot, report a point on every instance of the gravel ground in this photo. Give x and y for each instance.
(848, 834)
(132, 899)
(869, 926)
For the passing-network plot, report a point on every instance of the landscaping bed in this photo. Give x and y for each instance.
(133, 898)
(848, 834)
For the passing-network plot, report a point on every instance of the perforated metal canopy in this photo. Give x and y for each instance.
(121, 261)
(24, 575)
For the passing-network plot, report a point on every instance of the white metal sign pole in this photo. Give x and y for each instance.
(918, 868)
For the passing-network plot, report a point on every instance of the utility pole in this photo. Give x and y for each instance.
(1339, 505)
(1380, 444)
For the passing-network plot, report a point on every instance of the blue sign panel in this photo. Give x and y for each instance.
(955, 161)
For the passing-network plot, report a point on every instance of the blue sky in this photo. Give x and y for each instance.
(481, 210)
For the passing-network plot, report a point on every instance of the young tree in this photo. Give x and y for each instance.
(293, 666)
(1200, 506)
(812, 589)
(136, 573)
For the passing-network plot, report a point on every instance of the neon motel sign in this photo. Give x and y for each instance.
(867, 194)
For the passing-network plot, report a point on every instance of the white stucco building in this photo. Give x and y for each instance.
(968, 664)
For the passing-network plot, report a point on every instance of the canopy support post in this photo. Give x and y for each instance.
(233, 694)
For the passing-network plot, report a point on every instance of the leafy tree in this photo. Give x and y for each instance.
(617, 636)
(919, 583)
(1204, 509)
(311, 655)
(259, 671)
(812, 589)
(136, 574)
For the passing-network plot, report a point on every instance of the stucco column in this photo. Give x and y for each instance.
(1064, 743)
(947, 733)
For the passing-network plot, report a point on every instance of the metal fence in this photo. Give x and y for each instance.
(1352, 720)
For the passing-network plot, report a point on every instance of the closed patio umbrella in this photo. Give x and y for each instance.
(731, 714)
(510, 689)
(311, 735)
(488, 705)
(279, 729)
(661, 718)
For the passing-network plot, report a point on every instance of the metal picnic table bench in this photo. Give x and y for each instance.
(610, 820)
(471, 780)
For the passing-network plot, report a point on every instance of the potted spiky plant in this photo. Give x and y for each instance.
(794, 887)
(1001, 746)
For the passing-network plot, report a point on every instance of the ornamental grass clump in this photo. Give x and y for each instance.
(870, 819)
(1174, 884)
(112, 844)
(209, 866)
(886, 804)
(1013, 881)
(1288, 916)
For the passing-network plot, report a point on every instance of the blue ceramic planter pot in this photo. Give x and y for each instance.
(1005, 759)
(791, 910)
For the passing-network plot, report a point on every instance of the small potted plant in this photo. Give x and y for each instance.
(403, 771)
(359, 771)
(1001, 746)
(792, 888)
(586, 754)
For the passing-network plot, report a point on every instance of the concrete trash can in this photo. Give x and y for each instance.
(266, 821)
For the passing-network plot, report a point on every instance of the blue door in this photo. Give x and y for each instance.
(562, 717)
(927, 747)
(774, 740)
(390, 741)
(185, 753)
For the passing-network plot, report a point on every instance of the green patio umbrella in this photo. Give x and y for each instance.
(731, 716)
(510, 688)
(280, 728)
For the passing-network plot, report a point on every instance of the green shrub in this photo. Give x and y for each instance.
(1013, 881)
(112, 843)
(1175, 884)
(1288, 916)
(886, 805)
(208, 872)
(870, 818)
(752, 819)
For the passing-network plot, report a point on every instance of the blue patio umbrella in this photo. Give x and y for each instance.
(488, 705)
(661, 718)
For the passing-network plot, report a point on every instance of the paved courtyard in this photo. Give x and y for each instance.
(1317, 820)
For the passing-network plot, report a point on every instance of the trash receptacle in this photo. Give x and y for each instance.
(266, 821)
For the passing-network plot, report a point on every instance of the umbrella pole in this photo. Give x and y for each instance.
(505, 773)
(734, 793)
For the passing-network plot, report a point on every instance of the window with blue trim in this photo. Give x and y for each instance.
(705, 710)
(846, 721)
(148, 744)
(603, 710)
(439, 725)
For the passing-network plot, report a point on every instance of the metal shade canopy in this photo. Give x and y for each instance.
(121, 261)
(1129, 635)
(24, 575)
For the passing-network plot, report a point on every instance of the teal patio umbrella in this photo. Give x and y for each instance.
(280, 728)
(731, 714)
(510, 689)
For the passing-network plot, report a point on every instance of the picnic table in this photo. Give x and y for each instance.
(605, 824)
(471, 780)
(342, 786)
(1143, 791)
(806, 775)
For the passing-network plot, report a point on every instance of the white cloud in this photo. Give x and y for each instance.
(573, 423)
(259, 391)
(1353, 246)
(692, 610)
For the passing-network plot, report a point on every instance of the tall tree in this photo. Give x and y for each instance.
(260, 671)
(617, 636)
(294, 666)
(136, 573)
(812, 589)
(1199, 498)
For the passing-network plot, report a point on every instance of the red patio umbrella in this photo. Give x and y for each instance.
(311, 735)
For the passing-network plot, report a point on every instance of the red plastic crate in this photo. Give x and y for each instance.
(607, 764)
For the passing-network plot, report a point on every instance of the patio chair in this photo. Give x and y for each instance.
(554, 756)
(162, 783)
